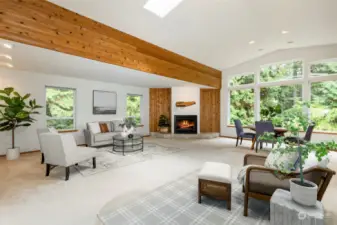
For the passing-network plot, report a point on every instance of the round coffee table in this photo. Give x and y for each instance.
(126, 144)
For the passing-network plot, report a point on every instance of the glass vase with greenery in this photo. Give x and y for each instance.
(16, 111)
(129, 124)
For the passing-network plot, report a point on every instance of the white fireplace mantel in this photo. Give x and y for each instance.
(185, 94)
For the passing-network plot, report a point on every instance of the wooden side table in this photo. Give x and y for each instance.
(284, 211)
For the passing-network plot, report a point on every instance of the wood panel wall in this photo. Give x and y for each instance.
(160, 103)
(209, 110)
(44, 24)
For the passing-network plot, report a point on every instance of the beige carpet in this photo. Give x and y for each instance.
(28, 197)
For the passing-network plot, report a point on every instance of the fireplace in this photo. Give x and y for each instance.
(185, 124)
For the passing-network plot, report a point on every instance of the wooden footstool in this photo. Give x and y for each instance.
(215, 182)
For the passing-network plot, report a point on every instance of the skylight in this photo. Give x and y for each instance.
(161, 7)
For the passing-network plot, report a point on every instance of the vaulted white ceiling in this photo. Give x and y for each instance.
(217, 32)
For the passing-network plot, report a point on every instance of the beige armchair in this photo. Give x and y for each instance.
(61, 150)
(261, 182)
(39, 132)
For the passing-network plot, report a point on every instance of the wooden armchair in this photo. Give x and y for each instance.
(261, 183)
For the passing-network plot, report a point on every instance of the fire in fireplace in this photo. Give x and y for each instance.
(186, 124)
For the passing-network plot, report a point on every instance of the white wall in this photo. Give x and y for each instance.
(185, 94)
(34, 83)
(308, 55)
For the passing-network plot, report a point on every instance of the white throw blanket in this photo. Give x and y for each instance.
(242, 173)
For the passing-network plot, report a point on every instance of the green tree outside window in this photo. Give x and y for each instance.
(133, 107)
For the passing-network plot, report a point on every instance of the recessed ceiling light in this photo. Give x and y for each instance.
(285, 32)
(261, 49)
(251, 42)
(161, 7)
(6, 45)
(6, 56)
(290, 42)
(6, 64)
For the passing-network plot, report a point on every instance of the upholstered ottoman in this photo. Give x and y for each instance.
(215, 182)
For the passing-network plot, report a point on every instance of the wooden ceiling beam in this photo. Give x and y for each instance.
(46, 25)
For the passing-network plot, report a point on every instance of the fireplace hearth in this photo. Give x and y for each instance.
(185, 124)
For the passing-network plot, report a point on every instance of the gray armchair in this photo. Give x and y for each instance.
(261, 182)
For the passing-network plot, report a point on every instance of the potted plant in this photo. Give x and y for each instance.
(15, 111)
(296, 120)
(128, 126)
(163, 124)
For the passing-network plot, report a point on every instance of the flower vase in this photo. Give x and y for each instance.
(126, 131)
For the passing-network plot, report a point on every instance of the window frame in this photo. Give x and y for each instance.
(229, 100)
(281, 62)
(280, 85)
(240, 87)
(316, 75)
(140, 107)
(305, 81)
(63, 118)
(319, 79)
(239, 75)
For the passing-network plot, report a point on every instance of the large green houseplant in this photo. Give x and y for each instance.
(15, 111)
(296, 120)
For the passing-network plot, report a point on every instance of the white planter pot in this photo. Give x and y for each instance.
(13, 153)
(304, 195)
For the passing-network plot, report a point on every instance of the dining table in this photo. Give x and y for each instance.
(279, 131)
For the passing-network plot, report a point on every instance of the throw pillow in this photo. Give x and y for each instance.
(278, 161)
(108, 123)
(312, 161)
(94, 127)
(104, 128)
(116, 125)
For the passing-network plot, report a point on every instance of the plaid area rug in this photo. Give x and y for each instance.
(107, 159)
(176, 204)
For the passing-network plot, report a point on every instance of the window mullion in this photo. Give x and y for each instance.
(60, 118)
(322, 78)
(242, 87)
(257, 95)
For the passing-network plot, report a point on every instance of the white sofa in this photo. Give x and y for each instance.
(95, 138)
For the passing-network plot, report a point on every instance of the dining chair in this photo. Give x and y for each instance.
(262, 127)
(240, 132)
(62, 150)
(306, 138)
(308, 133)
